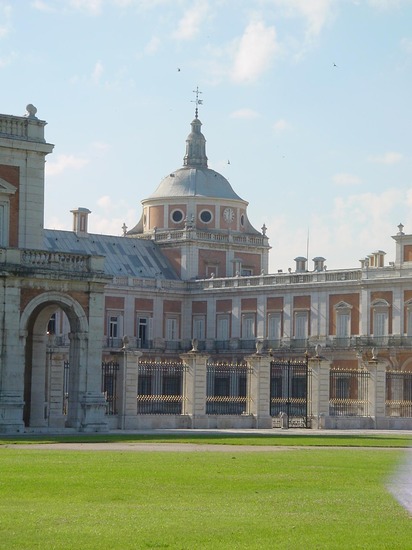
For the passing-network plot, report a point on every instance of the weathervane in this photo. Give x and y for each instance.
(197, 100)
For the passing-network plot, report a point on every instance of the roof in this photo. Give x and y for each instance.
(195, 182)
(124, 256)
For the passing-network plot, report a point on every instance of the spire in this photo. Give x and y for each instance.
(196, 144)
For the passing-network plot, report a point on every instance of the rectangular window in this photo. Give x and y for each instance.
(144, 330)
(222, 327)
(274, 326)
(301, 325)
(113, 331)
(248, 326)
(409, 321)
(2, 226)
(199, 327)
(380, 323)
(342, 325)
(171, 329)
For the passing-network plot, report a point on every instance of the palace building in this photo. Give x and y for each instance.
(177, 323)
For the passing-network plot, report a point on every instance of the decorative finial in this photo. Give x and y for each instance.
(31, 111)
(264, 229)
(124, 229)
(197, 101)
(400, 227)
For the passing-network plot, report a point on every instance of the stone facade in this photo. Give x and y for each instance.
(189, 286)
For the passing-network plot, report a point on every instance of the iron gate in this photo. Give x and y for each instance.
(290, 393)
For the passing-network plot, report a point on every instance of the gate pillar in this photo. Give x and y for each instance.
(376, 390)
(259, 389)
(320, 368)
(12, 349)
(194, 387)
(87, 405)
(127, 388)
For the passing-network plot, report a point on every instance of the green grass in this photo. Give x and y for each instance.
(294, 499)
(278, 438)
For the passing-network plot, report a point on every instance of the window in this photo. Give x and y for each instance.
(3, 240)
(222, 327)
(274, 326)
(343, 319)
(205, 216)
(248, 326)
(51, 326)
(301, 325)
(144, 330)
(380, 310)
(211, 271)
(177, 216)
(199, 327)
(113, 331)
(171, 329)
(6, 191)
(246, 272)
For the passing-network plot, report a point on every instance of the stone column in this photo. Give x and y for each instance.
(319, 370)
(259, 389)
(12, 361)
(195, 387)
(127, 388)
(376, 391)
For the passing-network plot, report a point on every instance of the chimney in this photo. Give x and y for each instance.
(300, 264)
(80, 221)
(318, 263)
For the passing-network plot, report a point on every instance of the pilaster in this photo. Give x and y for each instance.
(259, 389)
(319, 369)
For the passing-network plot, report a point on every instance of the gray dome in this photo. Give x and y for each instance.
(195, 182)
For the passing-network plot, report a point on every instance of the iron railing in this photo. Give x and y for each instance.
(227, 388)
(348, 392)
(398, 402)
(159, 388)
(110, 371)
(290, 390)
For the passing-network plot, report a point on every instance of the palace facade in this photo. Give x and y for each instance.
(178, 323)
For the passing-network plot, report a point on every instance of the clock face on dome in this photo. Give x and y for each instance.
(228, 214)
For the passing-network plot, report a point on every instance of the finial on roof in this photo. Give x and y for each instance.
(197, 101)
(400, 227)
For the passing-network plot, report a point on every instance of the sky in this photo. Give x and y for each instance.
(309, 100)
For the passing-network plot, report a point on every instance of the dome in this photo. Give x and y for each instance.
(195, 182)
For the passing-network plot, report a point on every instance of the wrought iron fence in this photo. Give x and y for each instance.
(290, 390)
(227, 391)
(110, 370)
(398, 402)
(159, 388)
(348, 392)
(66, 373)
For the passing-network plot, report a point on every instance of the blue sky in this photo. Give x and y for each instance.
(310, 100)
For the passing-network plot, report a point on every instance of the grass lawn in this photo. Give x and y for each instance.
(292, 499)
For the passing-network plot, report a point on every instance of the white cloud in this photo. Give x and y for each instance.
(41, 5)
(91, 7)
(316, 13)
(346, 179)
(255, 52)
(387, 158)
(281, 125)
(97, 72)
(7, 59)
(406, 44)
(188, 27)
(63, 163)
(104, 202)
(245, 113)
(5, 17)
(152, 46)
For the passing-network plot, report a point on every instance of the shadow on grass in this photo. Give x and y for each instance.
(275, 439)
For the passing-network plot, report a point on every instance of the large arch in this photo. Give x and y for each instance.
(86, 401)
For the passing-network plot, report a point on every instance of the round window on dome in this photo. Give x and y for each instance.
(177, 216)
(205, 216)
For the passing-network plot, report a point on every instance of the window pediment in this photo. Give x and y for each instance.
(6, 188)
(343, 306)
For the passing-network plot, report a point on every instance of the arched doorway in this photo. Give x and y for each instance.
(43, 404)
